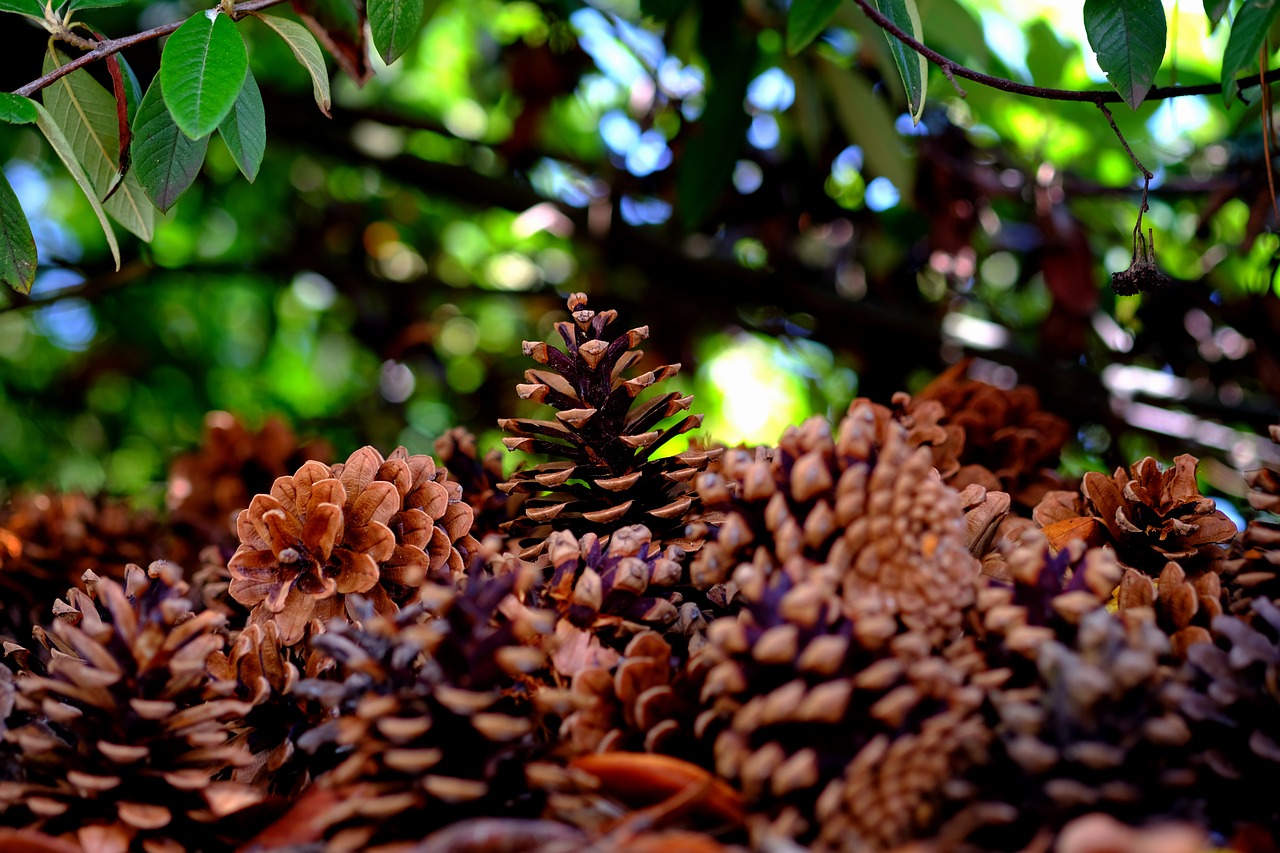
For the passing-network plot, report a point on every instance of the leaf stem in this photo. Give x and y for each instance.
(110, 47)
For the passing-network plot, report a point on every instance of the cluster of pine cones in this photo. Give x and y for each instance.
(900, 631)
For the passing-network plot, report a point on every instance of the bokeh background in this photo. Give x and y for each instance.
(780, 224)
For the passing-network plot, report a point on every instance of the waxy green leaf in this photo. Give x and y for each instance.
(86, 114)
(165, 159)
(1128, 37)
(912, 67)
(17, 245)
(15, 109)
(394, 24)
(307, 52)
(66, 153)
(806, 19)
(244, 130)
(203, 68)
(30, 8)
(1248, 31)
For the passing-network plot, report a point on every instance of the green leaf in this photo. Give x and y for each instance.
(203, 68)
(1214, 10)
(165, 159)
(86, 113)
(307, 52)
(912, 67)
(30, 8)
(1247, 34)
(869, 123)
(95, 4)
(15, 109)
(244, 130)
(340, 24)
(1128, 37)
(17, 245)
(66, 153)
(805, 20)
(394, 24)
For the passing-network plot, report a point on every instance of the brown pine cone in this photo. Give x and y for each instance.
(608, 477)
(479, 478)
(432, 713)
(370, 526)
(1233, 703)
(122, 741)
(48, 541)
(1150, 516)
(1254, 572)
(1009, 442)
(1184, 608)
(1096, 729)
(841, 733)
(877, 517)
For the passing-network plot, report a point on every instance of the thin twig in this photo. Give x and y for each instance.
(1267, 128)
(1146, 173)
(1108, 96)
(110, 47)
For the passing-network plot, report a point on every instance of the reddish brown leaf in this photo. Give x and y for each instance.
(640, 780)
(1085, 528)
(302, 824)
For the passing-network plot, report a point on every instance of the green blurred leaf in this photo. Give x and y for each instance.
(806, 19)
(15, 109)
(339, 24)
(86, 114)
(165, 159)
(716, 138)
(869, 123)
(203, 67)
(1129, 38)
(31, 8)
(307, 52)
(66, 153)
(1247, 34)
(244, 130)
(1214, 10)
(17, 245)
(95, 4)
(955, 28)
(394, 24)
(912, 67)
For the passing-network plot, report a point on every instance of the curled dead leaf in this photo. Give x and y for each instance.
(1086, 528)
(640, 780)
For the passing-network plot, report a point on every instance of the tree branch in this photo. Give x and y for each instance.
(953, 69)
(109, 47)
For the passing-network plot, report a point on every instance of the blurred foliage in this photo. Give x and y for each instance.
(785, 230)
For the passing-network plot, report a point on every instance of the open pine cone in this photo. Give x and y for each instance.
(370, 526)
(606, 476)
(1255, 571)
(123, 741)
(1150, 515)
(479, 477)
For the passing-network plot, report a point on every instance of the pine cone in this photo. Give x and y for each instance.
(1009, 442)
(841, 733)
(479, 477)
(48, 541)
(1255, 571)
(123, 741)
(879, 518)
(609, 478)
(1184, 608)
(209, 487)
(431, 713)
(1233, 701)
(370, 526)
(1095, 730)
(1150, 516)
